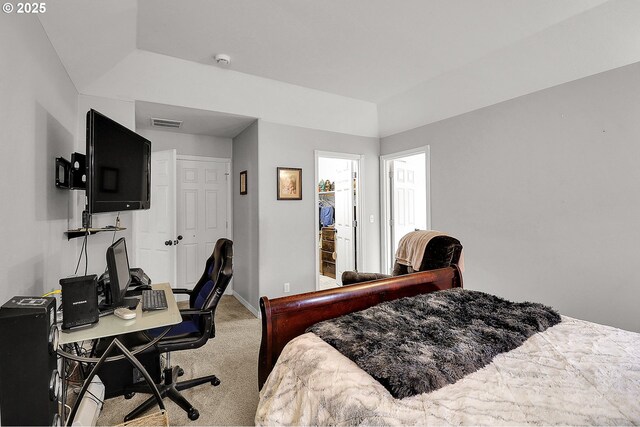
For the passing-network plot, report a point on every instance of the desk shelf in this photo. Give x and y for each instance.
(80, 232)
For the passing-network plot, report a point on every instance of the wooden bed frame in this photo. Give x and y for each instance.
(285, 318)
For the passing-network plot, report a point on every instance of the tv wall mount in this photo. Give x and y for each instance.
(72, 175)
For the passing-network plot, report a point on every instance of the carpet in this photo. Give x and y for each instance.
(232, 356)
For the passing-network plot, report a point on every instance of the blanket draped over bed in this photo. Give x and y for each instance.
(420, 344)
(576, 373)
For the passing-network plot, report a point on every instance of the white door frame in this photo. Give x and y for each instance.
(385, 208)
(229, 235)
(360, 191)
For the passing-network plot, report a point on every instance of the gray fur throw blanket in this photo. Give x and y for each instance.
(419, 344)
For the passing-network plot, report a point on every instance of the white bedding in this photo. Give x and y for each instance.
(575, 373)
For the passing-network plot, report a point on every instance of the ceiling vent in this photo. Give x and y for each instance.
(166, 123)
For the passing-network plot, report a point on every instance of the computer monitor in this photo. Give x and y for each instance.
(119, 275)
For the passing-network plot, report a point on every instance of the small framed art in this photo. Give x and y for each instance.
(289, 182)
(243, 182)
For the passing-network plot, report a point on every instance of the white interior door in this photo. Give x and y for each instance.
(344, 219)
(156, 226)
(202, 213)
(404, 200)
(407, 204)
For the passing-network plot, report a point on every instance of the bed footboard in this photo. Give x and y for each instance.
(285, 318)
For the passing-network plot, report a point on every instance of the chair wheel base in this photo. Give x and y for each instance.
(180, 372)
(129, 395)
(193, 414)
(215, 382)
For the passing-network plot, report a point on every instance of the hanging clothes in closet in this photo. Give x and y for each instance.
(327, 213)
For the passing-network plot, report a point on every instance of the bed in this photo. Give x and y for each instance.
(575, 372)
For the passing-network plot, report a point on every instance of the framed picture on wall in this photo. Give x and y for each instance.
(289, 182)
(243, 182)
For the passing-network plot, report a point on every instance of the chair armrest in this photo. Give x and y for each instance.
(352, 277)
(182, 291)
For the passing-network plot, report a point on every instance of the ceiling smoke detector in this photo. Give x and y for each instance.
(166, 123)
(222, 59)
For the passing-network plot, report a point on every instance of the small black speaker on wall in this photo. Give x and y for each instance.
(79, 301)
(78, 172)
(30, 385)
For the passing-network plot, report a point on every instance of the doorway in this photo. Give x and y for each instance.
(154, 227)
(190, 210)
(203, 213)
(338, 209)
(406, 198)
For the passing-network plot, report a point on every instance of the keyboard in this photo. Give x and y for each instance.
(153, 299)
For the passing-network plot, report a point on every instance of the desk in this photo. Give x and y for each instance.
(111, 325)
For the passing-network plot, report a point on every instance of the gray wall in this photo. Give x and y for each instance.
(39, 106)
(188, 144)
(543, 192)
(287, 239)
(245, 216)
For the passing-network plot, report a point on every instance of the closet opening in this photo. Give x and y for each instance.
(338, 205)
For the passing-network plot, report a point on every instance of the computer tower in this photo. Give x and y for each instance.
(120, 375)
(30, 385)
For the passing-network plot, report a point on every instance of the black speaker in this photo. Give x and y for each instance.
(78, 172)
(30, 385)
(79, 301)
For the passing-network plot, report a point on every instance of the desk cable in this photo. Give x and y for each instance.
(80, 350)
(115, 228)
(86, 257)
(48, 294)
(95, 398)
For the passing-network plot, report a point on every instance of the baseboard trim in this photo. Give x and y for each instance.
(247, 305)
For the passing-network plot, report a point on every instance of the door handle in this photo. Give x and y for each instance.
(173, 242)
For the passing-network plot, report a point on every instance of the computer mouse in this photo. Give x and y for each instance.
(124, 313)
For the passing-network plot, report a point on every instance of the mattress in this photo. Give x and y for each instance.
(575, 373)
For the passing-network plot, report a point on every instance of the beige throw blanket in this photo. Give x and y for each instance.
(412, 246)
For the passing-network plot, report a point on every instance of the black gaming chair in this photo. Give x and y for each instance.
(193, 332)
(441, 251)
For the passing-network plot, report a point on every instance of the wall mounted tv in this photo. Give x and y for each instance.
(118, 166)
